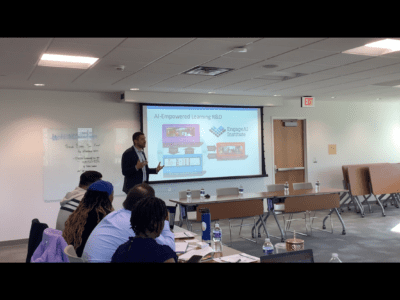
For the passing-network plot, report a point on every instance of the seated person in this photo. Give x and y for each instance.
(72, 199)
(95, 205)
(147, 221)
(115, 229)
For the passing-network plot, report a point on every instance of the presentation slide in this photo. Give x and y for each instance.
(194, 142)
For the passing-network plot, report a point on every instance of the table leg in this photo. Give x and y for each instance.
(181, 215)
(323, 222)
(279, 226)
(341, 221)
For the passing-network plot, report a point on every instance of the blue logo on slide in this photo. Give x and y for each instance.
(217, 131)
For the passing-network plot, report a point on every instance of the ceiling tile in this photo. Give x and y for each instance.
(244, 85)
(255, 51)
(186, 59)
(135, 55)
(340, 59)
(287, 42)
(35, 46)
(375, 62)
(180, 81)
(113, 42)
(163, 68)
(230, 62)
(340, 44)
(52, 74)
(78, 49)
(156, 44)
(303, 55)
(307, 68)
(238, 41)
(110, 65)
(207, 47)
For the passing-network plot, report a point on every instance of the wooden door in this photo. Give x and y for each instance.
(289, 155)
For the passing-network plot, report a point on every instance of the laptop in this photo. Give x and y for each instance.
(302, 256)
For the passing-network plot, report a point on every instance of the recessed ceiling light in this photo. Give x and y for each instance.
(134, 89)
(333, 97)
(276, 95)
(66, 61)
(39, 84)
(211, 92)
(376, 48)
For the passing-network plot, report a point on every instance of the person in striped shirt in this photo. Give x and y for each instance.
(72, 199)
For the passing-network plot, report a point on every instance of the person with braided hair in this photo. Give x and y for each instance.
(94, 206)
(147, 221)
(115, 229)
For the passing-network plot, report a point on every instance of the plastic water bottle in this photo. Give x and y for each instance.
(189, 195)
(202, 193)
(286, 188)
(268, 248)
(241, 189)
(335, 258)
(217, 238)
(317, 186)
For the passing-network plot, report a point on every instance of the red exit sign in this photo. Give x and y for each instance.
(307, 101)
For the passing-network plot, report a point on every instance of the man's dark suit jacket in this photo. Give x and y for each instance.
(133, 176)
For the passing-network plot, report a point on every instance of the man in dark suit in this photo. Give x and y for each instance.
(134, 163)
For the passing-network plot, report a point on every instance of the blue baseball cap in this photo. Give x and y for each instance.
(101, 186)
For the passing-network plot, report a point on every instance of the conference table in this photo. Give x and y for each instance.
(252, 205)
(306, 200)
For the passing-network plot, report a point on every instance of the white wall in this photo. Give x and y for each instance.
(364, 132)
(23, 116)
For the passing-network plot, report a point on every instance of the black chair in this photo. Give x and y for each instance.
(35, 237)
(301, 256)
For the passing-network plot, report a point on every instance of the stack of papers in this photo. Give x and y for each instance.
(202, 252)
(244, 258)
(185, 246)
(184, 235)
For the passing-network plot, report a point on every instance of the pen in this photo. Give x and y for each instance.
(185, 234)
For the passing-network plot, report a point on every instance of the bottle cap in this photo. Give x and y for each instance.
(267, 240)
(334, 255)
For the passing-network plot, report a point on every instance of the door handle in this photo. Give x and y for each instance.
(288, 169)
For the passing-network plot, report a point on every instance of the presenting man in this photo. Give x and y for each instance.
(134, 163)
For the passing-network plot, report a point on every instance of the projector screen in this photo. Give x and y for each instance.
(203, 143)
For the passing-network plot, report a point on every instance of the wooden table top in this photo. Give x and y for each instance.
(259, 195)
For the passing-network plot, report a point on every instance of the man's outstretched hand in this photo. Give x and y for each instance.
(159, 167)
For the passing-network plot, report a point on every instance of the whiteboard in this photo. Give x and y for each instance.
(70, 152)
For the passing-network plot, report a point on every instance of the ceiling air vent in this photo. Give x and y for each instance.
(208, 71)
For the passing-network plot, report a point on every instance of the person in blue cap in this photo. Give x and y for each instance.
(95, 205)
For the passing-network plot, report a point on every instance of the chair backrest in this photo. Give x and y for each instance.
(302, 186)
(35, 237)
(301, 256)
(70, 252)
(275, 187)
(195, 194)
(227, 191)
(345, 184)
